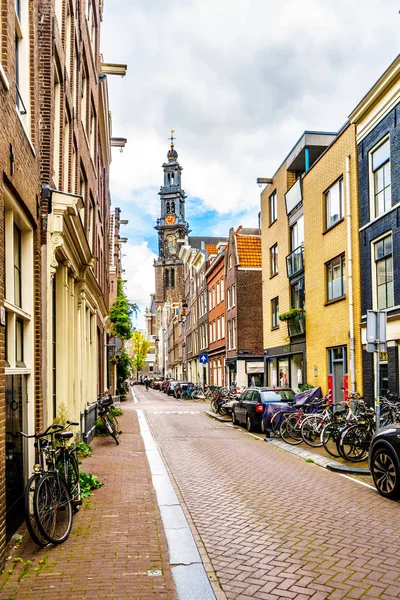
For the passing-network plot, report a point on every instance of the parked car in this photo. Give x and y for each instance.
(170, 389)
(182, 386)
(165, 385)
(157, 383)
(384, 461)
(250, 407)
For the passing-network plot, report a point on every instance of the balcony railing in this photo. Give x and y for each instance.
(295, 262)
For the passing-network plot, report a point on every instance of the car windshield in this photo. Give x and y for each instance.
(277, 396)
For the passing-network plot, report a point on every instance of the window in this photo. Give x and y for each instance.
(211, 337)
(218, 292)
(172, 279)
(297, 294)
(57, 127)
(22, 54)
(273, 208)
(66, 154)
(383, 256)
(233, 333)
(380, 166)
(218, 328)
(84, 97)
(210, 303)
(297, 234)
(222, 289)
(166, 278)
(17, 267)
(223, 326)
(229, 298)
(233, 295)
(335, 278)
(334, 204)
(275, 313)
(230, 261)
(214, 333)
(92, 132)
(273, 259)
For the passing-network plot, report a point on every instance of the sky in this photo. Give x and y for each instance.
(239, 82)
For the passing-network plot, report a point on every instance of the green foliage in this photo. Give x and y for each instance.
(117, 412)
(62, 415)
(123, 372)
(121, 313)
(88, 483)
(305, 386)
(139, 350)
(291, 314)
(84, 450)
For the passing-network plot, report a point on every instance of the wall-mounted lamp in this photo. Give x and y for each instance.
(263, 181)
(118, 142)
(113, 69)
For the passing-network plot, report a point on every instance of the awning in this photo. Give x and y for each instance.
(254, 367)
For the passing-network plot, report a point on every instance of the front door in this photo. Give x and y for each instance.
(15, 400)
(337, 369)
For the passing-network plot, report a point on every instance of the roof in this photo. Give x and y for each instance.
(211, 248)
(195, 241)
(249, 251)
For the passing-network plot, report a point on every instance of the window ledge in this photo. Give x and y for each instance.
(339, 299)
(274, 275)
(28, 137)
(333, 226)
(3, 78)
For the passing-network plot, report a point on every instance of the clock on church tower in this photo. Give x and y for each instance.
(172, 230)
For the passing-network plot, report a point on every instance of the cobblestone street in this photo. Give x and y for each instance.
(273, 525)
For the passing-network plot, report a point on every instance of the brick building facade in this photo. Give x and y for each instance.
(20, 276)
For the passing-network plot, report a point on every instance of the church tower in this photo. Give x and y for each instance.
(172, 229)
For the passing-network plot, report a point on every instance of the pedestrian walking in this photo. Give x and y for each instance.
(147, 383)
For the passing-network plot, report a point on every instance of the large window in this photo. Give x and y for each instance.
(383, 255)
(380, 169)
(22, 77)
(334, 204)
(275, 313)
(297, 234)
(273, 260)
(335, 278)
(273, 208)
(297, 294)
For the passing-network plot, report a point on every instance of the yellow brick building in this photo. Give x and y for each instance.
(332, 274)
(283, 280)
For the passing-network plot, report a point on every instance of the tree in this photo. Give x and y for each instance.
(138, 351)
(121, 313)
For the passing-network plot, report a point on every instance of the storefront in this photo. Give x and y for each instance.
(285, 370)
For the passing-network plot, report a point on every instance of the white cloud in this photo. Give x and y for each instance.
(139, 276)
(239, 82)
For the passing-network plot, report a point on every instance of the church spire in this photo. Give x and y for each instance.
(172, 153)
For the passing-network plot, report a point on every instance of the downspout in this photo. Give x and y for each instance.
(350, 275)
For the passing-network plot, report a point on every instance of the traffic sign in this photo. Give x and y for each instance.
(203, 358)
(115, 343)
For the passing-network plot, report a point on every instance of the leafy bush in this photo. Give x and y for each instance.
(305, 386)
(83, 449)
(88, 483)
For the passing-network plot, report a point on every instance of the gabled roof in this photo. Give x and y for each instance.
(211, 248)
(195, 241)
(249, 251)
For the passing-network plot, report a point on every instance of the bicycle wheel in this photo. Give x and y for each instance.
(354, 443)
(329, 438)
(30, 519)
(114, 422)
(111, 427)
(310, 430)
(67, 465)
(290, 430)
(53, 508)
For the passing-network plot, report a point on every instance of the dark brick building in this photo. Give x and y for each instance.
(377, 118)
(243, 275)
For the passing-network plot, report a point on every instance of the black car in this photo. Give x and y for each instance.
(249, 408)
(384, 461)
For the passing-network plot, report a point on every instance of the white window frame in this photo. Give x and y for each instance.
(273, 260)
(234, 333)
(273, 207)
(233, 295)
(328, 195)
(374, 271)
(22, 67)
(373, 212)
(222, 326)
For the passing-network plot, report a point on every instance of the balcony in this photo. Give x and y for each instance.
(297, 326)
(295, 262)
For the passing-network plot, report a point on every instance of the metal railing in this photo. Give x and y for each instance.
(295, 261)
(88, 422)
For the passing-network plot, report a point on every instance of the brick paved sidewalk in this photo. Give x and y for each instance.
(117, 539)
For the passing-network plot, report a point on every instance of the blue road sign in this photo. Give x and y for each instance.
(203, 358)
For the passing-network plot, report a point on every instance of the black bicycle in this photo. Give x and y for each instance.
(104, 405)
(48, 502)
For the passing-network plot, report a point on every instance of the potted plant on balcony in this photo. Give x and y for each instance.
(295, 321)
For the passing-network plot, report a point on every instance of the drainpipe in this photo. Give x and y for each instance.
(350, 275)
(307, 158)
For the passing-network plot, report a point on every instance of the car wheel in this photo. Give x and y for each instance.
(262, 426)
(385, 470)
(234, 419)
(249, 424)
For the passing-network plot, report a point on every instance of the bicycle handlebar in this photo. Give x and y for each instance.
(53, 428)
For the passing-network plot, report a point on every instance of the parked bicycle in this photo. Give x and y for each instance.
(105, 404)
(48, 502)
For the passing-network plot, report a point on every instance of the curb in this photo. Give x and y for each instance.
(322, 461)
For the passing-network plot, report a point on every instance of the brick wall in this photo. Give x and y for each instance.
(22, 178)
